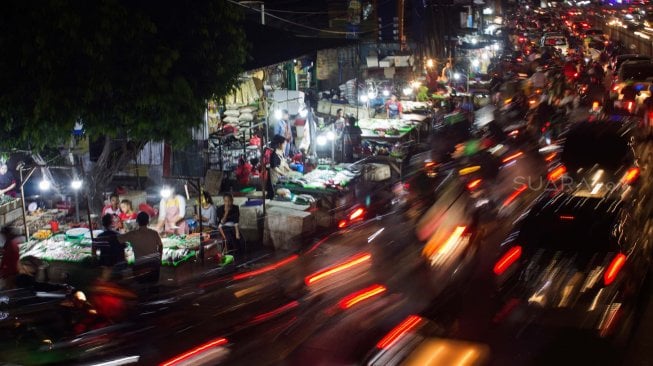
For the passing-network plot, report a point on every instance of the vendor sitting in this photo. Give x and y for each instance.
(172, 212)
(126, 211)
(7, 180)
(229, 216)
(278, 164)
(113, 209)
(207, 211)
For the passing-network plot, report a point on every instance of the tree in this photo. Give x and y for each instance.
(129, 70)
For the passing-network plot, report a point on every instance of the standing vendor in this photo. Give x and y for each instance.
(172, 212)
(283, 129)
(229, 216)
(393, 108)
(7, 181)
(352, 140)
(278, 164)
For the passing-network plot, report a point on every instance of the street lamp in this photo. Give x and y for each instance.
(44, 184)
(166, 192)
(76, 185)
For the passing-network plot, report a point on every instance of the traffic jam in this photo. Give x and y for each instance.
(525, 241)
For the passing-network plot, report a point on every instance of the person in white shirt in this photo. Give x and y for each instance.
(172, 212)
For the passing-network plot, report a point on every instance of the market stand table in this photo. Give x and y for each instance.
(69, 259)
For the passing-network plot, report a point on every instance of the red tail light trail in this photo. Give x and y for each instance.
(474, 184)
(512, 157)
(265, 269)
(362, 295)
(631, 175)
(195, 352)
(507, 260)
(613, 269)
(329, 271)
(556, 173)
(405, 327)
(513, 196)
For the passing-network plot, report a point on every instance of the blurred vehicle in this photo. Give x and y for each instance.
(558, 42)
(574, 263)
(596, 34)
(598, 160)
(620, 59)
(418, 341)
(637, 73)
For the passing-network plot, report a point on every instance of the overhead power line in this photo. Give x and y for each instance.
(303, 25)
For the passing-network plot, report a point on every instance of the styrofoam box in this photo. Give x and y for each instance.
(387, 62)
(377, 172)
(249, 216)
(402, 61)
(290, 221)
(372, 61)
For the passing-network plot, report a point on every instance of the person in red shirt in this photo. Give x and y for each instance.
(393, 108)
(10, 256)
(243, 171)
(113, 209)
(126, 211)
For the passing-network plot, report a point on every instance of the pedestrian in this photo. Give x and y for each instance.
(229, 216)
(278, 164)
(352, 140)
(148, 249)
(283, 129)
(112, 251)
(7, 180)
(10, 256)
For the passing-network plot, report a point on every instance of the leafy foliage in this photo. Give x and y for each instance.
(141, 69)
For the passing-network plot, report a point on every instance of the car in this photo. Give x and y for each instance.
(597, 159)
(419, 341)
(558, 42)
(574, 263)
(638, 72)
(616, 63)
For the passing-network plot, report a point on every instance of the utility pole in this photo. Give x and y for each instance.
(253, 5)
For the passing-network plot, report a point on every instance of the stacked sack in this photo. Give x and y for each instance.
(238, 115)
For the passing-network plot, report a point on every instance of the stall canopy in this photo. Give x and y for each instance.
(269, 46)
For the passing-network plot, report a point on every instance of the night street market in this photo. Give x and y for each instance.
(326, 182)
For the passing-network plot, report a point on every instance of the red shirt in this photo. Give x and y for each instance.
(125, 216)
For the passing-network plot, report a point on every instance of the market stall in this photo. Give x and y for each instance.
(70, 252)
